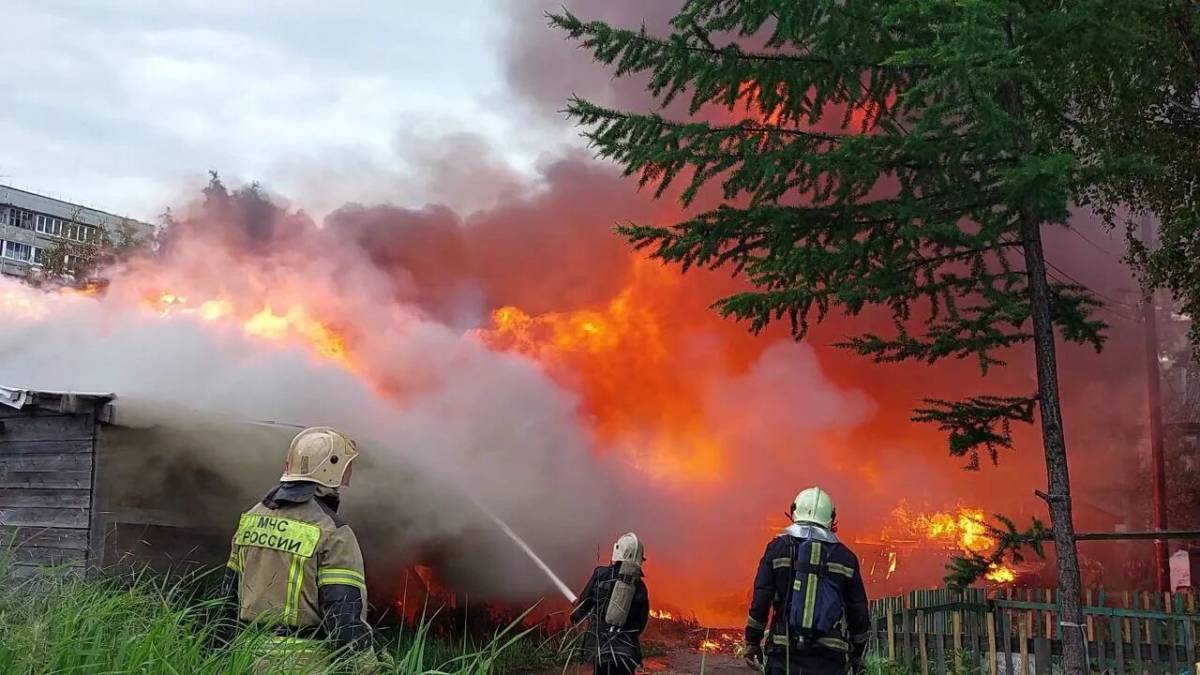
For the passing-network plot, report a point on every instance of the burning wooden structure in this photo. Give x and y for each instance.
(91, 484)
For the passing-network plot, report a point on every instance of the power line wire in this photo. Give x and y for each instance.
(1098, 247)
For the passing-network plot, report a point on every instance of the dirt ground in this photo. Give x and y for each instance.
(682, 662)
(675, 646)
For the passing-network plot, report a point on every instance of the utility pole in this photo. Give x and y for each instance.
(1158, 471)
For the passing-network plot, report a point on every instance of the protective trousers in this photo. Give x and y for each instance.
(804, 664)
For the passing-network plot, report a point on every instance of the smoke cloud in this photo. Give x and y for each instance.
(501, 342)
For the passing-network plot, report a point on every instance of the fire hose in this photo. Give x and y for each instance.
(558, 583)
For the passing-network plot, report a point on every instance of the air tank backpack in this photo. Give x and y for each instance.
(621, 598)
(817, 606)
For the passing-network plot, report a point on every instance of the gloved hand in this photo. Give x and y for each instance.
(753, 654)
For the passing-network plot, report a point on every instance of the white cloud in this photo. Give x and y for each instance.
(117, 103)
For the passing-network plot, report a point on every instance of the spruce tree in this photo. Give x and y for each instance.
(903, 154)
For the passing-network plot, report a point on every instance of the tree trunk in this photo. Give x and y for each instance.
(1054, 443)
(1074, 655)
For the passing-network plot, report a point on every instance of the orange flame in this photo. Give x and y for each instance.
(295, 324)
(963, 528)
(610, 355)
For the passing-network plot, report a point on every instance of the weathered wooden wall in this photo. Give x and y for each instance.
(46, 478)
(165, 495)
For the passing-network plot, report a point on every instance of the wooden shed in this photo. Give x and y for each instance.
(47, 476)
(81, 489)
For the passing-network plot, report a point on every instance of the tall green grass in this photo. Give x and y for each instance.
(60, 623)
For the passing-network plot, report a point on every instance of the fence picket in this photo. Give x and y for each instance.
(940, 651)
(956, 619)
(890, 618)
(1135, 639)
(1126, 626)
(1005, 632)
(1119, 639)
(921, 642)
(1189, 632)
(1049, 616)
(906, 630)
(1023, 636)
(1041, 656)
(1172, 635)
(991, 635)
(1148, 603)
(1091, 627)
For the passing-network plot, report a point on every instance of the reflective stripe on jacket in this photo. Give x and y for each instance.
(299, 566)
(773, 584)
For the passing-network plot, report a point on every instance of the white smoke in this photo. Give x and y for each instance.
(464, 421)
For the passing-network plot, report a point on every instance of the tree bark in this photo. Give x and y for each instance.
(1054, 443)
(1074, 655)
(1158, 472)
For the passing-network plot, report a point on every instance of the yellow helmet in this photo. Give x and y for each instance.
(319, 455)
(629, 549)
(814, 505)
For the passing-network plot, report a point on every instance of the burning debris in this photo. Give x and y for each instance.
(959, 530)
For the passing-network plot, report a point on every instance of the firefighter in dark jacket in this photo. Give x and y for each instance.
(297, 567)
(809, 602)
(617, 607)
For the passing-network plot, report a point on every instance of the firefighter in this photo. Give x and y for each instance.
(617, 606)
(298, 568)
(810, 585)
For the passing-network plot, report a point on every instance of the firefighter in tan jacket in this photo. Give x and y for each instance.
(299, 568)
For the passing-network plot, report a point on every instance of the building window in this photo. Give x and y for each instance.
(86, 233)
(19, 218)
(17, 251)
(48, 225)
(39, 256)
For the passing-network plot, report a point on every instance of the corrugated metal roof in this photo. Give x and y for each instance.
(18, 398)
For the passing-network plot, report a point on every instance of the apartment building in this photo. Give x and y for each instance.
(31, 223)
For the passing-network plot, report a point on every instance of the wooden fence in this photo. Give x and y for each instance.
(1017, 631)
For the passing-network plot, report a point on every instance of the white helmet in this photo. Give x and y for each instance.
(628, 549)
(814, 505)
(319, 455)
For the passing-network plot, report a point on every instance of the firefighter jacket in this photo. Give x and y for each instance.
(611, 645)
(772, 594)
(299, 567)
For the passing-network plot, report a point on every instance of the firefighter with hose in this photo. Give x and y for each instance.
(617, 606)
(297, 567)
(809, 604)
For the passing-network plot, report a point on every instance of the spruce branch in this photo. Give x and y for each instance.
(1011, 545)
(980, 423)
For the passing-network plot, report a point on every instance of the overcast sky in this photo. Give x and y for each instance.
(125, 104)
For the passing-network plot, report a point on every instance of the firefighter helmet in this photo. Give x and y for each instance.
(814, 505)
(319, 455)
(629, 549)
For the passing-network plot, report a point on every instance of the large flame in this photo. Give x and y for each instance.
(644, 364)
(295, 325)
(616, 356)
(963, 529)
